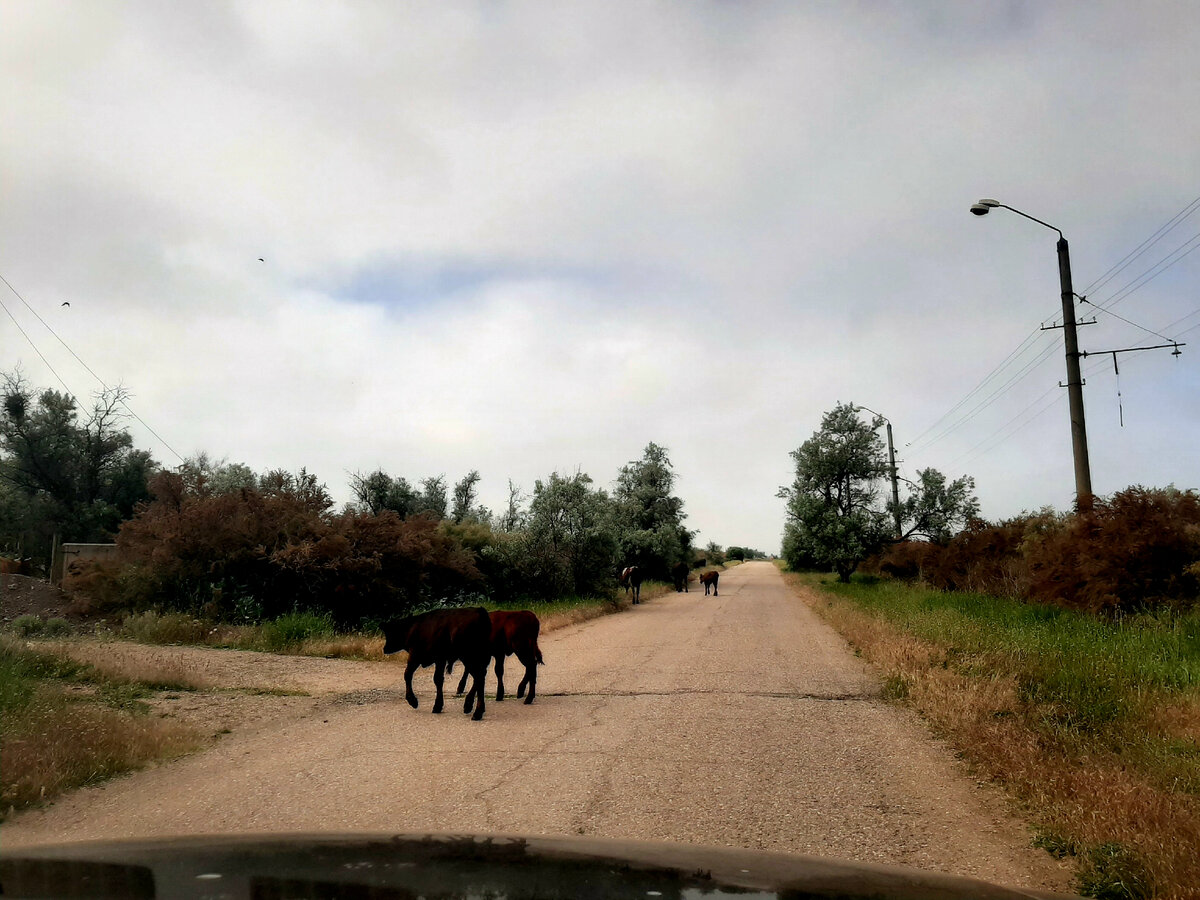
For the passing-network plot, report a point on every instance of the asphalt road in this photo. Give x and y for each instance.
(739, 720)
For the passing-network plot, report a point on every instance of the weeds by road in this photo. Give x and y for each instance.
(64, 724)
(1094, 726)
(308, 634)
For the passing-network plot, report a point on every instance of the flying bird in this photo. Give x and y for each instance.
(65, 303)
(260, 259)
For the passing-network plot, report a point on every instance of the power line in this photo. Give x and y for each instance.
(1145, 245)
(1126, 321)
(81, 362)
(991, 441)
(1181, 319)
(987, 401)
(36, 350)
(1153, 272)
(1029, 340)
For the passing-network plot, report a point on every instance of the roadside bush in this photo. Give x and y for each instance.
(57, 627)
(28, 626)
(158, 628)
(250, 555)
(292, 630)
(988, 558)
(906, 560)
(1139, 549)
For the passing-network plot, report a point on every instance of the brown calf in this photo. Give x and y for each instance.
(440, 637)
(514, 631)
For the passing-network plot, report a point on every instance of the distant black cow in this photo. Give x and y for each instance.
(631, 580)
(679, 573)
(710, 579)
(513, 631)
(440, 637)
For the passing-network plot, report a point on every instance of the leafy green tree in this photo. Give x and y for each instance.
(834, 515)
(513, 516)
(834, 520)
(649, 518)
(432, 499)
(379, 491)
(204, 477)
(78, 478)
(571, 539)
(465, 494)
(936, 509)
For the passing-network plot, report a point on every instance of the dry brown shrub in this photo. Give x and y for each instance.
(906, 560)
(1132, 551)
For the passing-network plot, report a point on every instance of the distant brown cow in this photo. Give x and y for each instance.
(513, 631)
(710, 579)
(437, 638)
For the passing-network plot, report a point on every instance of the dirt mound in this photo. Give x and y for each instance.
(21, 595)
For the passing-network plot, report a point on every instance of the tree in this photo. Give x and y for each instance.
(432, 498)
(649, 518)
(203, 477)
(513, 516)
(937, 510)
(379, 491)
(571, 539)
(833, 519)
(464, 498)
(79, 479)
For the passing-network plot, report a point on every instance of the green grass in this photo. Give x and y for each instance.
(1094, 723)
(1085, 673)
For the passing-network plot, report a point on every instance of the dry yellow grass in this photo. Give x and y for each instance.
(60, 744)
(115, 663)
(1086, 799)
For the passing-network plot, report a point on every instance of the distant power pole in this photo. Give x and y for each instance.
(895, 481)
(891, 470)
(1083, 469)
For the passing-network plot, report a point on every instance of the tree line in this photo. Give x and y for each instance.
(217, 538)
(1137, 550)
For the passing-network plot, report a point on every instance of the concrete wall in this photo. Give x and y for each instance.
(68, 557)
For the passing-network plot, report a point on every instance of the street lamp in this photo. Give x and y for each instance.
(1074, 385)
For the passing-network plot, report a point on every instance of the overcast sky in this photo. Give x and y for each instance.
(534, 237)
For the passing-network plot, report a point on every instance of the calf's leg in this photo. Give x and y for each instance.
(530, 662)
(408, 674)
(500, 676)
(439, 677)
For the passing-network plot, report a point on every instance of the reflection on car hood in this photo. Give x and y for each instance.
(432, 866)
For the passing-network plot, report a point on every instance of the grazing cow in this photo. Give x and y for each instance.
(513, 631)
(438, 637)
(709, 579)
(631, 580)
(679, 572)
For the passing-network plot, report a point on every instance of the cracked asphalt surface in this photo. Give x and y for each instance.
(740, 720)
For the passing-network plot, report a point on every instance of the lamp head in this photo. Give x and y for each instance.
(983, 207)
